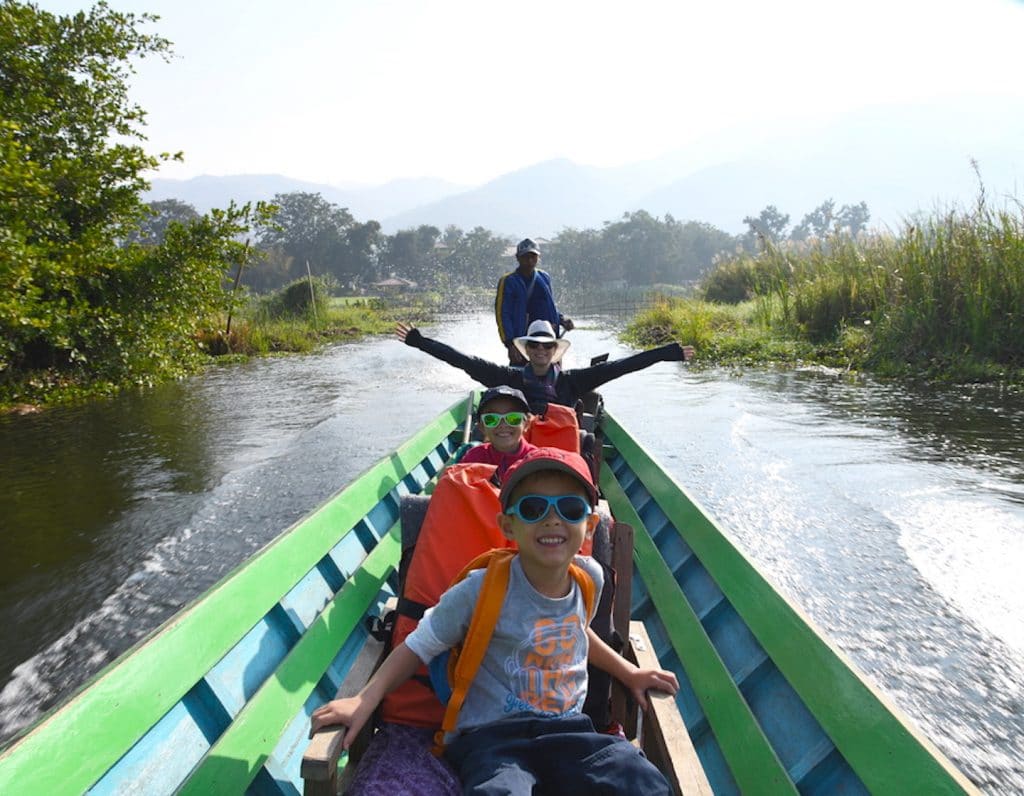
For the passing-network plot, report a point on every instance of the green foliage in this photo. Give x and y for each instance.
(475, 259)
(637, 250)
(721, 333)
(158, 217)
(731, 282)
(309, 229)
(688, 321)
(80, 302)
(955, 286)
(946, 296)
(302, 298)
(769, 225)
(411, 254)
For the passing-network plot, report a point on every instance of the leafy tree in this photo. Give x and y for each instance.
(69, 191)
(310, 229)
(769, 225)
(410, 254)
(701, 245)
(853, 218)
(817, 223)
(640, 245)
(451, 236)
(582, 260)
(363, 244)
(74, 303)
(475, 258)
(153, 226)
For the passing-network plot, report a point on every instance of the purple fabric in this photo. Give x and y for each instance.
(399, 762)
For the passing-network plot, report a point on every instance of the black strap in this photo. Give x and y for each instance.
(411, 608)
(381, 627)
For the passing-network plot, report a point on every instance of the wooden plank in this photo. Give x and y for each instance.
(320, 760)
(663, 736)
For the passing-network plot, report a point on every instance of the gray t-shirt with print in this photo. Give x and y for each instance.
(536, 662)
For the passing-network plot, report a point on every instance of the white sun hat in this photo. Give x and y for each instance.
(542, 332)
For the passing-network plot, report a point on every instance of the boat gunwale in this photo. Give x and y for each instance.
(751, 759)
(878, 741)
(85, 735)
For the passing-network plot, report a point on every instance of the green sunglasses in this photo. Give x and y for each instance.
(493, 419)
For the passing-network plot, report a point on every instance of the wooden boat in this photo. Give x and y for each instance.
(218, 699)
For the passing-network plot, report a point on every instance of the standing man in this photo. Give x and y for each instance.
(524, 295)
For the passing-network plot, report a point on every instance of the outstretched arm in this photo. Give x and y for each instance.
(355, 711)
(586, 379)
(487, 373)
(638, 681)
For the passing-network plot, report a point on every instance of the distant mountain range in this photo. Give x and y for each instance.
(900, 160)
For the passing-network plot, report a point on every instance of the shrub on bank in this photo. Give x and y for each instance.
(943, 298)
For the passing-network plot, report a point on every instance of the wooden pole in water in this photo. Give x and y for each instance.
(312, 294)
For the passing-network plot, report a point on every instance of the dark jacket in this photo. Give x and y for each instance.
(566, 387)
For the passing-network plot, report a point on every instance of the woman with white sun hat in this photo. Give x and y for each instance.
(542, 379)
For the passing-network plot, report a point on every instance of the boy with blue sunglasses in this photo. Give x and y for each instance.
(521, 725)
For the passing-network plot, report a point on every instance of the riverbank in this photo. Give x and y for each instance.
(941, 301)
(252, 332)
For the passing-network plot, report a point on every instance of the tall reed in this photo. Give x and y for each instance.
(945, 294)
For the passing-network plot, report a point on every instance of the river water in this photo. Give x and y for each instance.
(893, 517)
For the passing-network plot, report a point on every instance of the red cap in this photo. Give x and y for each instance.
(548, 459)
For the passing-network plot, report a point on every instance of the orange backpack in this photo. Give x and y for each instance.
(558, 427)
(454, 672)
(458, 526)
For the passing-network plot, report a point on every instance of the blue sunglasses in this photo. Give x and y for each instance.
(533, 508)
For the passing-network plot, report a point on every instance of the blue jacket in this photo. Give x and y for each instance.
(511, 310)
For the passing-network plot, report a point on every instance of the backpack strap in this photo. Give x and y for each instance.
(463, 665)
(587, 587)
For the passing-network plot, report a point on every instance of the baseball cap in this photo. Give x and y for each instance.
(525, 246)
(504, 391)
(548, 459)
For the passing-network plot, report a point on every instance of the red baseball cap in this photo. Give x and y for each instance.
(548, 459)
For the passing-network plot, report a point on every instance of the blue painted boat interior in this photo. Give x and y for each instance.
(809, 756)
(163, 759)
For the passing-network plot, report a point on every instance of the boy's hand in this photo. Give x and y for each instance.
(351, 713)
(687, 353)
(642, 680)
(402, 330)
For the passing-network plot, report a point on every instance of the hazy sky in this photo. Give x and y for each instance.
(364, 91)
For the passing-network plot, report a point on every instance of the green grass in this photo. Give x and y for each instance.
(944, 299)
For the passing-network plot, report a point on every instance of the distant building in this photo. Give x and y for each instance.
(395, 284)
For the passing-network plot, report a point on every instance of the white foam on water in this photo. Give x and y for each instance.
(972, 553)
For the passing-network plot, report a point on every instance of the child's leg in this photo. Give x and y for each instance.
(600, 764)
(399, 761)
(502, 758)
(561, 755)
